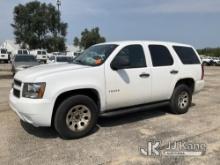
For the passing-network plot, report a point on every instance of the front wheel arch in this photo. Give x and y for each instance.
(90, 92)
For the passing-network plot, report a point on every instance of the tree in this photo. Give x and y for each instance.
(38, 25)
(76, 41)
(89, 38)
(210, 52)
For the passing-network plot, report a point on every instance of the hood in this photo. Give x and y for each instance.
(25, 64)
(31, 74)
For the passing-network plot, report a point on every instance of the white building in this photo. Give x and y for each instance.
(10, 45)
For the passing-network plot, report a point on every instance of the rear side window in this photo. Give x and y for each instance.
(187, 55)
(160, 55)
(25, 52)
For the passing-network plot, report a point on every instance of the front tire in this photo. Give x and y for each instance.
(76, 117)
(181, 99)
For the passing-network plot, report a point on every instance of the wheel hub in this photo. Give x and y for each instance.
(78, 118)
(183, 100)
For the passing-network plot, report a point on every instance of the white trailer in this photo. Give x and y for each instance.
(41, 55)
(4, 57)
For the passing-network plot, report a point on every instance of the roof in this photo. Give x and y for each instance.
(147, 42)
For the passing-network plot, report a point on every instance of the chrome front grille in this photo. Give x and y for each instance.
(17, 83)
(17, 88)
(16, 93)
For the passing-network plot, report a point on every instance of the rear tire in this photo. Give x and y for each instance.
(76, 117)
(181, 99)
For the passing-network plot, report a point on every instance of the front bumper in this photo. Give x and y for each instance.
(3, 58)
(37, 112)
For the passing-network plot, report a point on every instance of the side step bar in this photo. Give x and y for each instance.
(127, 110)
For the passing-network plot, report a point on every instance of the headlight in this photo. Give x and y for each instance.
(33, 90)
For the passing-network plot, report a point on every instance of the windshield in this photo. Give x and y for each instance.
(52, 58)
(3, 51)
(95, 55)
(64, 59)
(25, 52)
(25, 59)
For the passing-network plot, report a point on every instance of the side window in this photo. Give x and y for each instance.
(25, 52)
(160, 55)
(187, 55)
(19, 51)
(135, 54)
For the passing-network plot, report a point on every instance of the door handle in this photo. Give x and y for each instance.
(174, 71)
(144, 75)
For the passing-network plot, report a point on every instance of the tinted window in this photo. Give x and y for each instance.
(39, 52)
(25, 58)
(160, 55)
(19, 51)
(43, 52)
(135, 54)
(187, 55)
(25, 52)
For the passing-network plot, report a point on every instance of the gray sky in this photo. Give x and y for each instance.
(193, 22)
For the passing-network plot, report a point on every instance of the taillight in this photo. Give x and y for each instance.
(202, 76)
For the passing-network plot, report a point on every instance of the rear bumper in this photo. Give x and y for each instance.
(4, 58)
(199, 85)
(35, 112)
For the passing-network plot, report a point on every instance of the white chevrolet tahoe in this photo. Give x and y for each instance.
(107, 79)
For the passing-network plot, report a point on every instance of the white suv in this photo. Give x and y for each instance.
(107, 79)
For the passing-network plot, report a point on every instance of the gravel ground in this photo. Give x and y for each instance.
(116, 140)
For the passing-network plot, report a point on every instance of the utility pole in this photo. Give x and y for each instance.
(58, 5)
(58, 8)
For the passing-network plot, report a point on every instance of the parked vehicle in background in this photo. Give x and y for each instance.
(4, 57)
(107, 79)
(60, 59)
(22, 62)
(23, 51)
(73, 54)
(19, 51)
(216, 60)
(207, 61)
(41, 55)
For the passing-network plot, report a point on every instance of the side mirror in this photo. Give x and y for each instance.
(120, 62)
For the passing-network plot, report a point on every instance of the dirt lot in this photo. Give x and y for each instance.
(116, 140)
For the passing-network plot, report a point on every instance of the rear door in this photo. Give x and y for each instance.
(131, 85)
(164, 72)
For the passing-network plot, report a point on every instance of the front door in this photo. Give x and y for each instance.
(130, 85)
